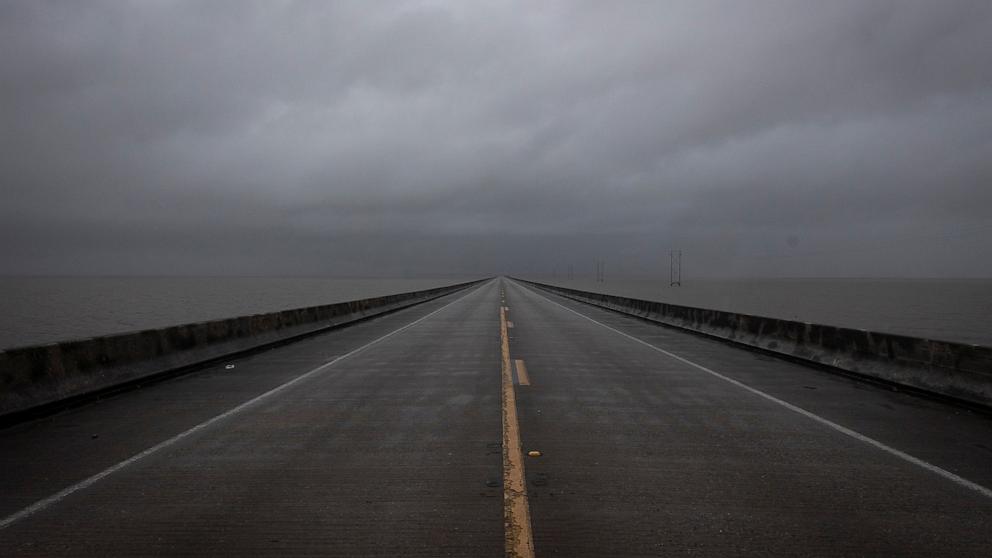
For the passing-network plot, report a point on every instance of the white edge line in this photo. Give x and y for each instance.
(55, 498)
(842, 429)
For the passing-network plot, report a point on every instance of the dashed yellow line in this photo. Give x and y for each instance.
(522, 377)
(517, 534)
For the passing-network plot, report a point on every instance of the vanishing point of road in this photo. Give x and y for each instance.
(501, 420)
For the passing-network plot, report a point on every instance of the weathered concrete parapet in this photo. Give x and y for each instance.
(954, 370)
(32, 377)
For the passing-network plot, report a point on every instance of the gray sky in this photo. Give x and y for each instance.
(849, 138)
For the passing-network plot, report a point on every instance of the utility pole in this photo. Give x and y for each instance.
(675, 268)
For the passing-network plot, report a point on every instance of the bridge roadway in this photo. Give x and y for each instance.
(384, 439)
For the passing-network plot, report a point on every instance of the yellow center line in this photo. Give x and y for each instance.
(522, 376)
(517, 535)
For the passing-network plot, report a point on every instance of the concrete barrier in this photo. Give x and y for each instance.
(38, 376)
(955, 370)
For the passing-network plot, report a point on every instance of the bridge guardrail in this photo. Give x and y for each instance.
(38, 377)
(956, 370)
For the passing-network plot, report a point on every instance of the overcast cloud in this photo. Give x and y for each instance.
(375, 138)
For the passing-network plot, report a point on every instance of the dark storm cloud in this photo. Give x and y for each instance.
(355, 138)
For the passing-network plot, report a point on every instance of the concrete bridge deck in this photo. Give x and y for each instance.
(386, 439)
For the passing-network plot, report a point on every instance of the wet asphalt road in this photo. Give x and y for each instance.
(394, 450)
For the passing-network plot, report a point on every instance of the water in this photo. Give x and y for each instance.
(35, 310)
(944, 309)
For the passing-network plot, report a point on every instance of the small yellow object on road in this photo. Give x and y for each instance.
(534, 453)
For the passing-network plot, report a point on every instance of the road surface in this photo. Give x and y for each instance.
(412, 434)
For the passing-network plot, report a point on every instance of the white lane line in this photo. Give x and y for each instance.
(55, 498)
(842, 429)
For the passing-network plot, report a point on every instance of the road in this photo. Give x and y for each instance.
(411, 435)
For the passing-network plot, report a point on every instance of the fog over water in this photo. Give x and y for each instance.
(848, 138)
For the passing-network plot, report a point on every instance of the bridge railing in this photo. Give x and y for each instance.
(35, 379)
(955, 370)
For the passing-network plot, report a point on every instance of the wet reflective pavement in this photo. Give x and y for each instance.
(394, 449)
